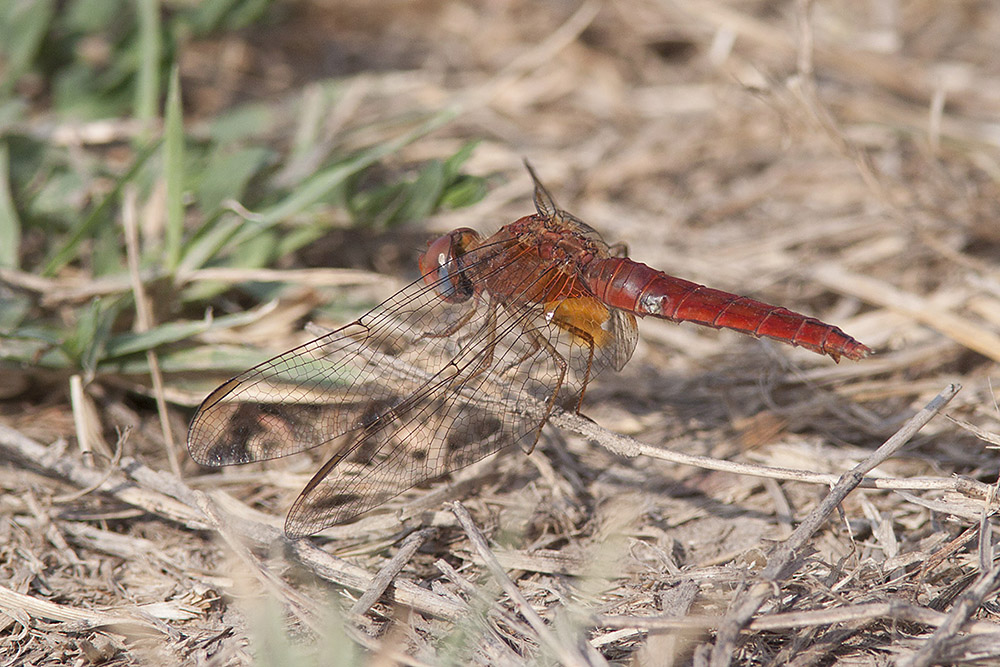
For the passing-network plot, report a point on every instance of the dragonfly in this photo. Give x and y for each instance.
(472, 357)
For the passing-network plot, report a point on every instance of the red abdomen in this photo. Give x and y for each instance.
(637, 288)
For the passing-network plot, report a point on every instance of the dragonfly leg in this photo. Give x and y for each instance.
(590, 366)
(491, 341)
(541, 342)
(532, 351)
(591, 344)
(490, 345)
(452, 328)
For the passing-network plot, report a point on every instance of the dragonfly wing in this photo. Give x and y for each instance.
(422, 437)
(621, 343)
(327, 387)
(414, 389)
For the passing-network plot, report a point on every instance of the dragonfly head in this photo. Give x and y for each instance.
(443, 267)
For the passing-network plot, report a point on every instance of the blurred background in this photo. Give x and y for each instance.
(183, 185)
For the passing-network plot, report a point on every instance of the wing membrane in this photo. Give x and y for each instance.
(413, 389)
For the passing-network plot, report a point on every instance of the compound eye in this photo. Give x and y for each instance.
(442, 268)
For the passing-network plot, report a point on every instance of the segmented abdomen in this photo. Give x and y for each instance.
(635, 287)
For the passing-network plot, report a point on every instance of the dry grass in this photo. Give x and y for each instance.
(841, 159)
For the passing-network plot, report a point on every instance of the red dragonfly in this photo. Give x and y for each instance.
(468, 359)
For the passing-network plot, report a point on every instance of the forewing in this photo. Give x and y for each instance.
(414, 389)
(496, 390)
(335, 384)
(418, 386)
(328, 387)
(421, 438)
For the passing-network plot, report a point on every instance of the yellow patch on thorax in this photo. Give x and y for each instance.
(584, 317)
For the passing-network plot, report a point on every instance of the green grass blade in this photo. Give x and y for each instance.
(147, 90)
(10, 224)
(173, 164)
(65, 254)
(171, 332)
(424, 194)
(321, 184)
(228, 359)
(22, 28)
(209, 240)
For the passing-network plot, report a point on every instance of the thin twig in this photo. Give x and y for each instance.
(17, 446)
(144, 322)
(79, 408)
(627, 446)
(896, 610)
(110, 470)
(389, 571)
(568, 655)
(15, 602)
(303, 608)
(784, 554)
(967, 605)
(300, 277)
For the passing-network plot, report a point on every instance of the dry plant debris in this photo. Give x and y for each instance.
(731, 502)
